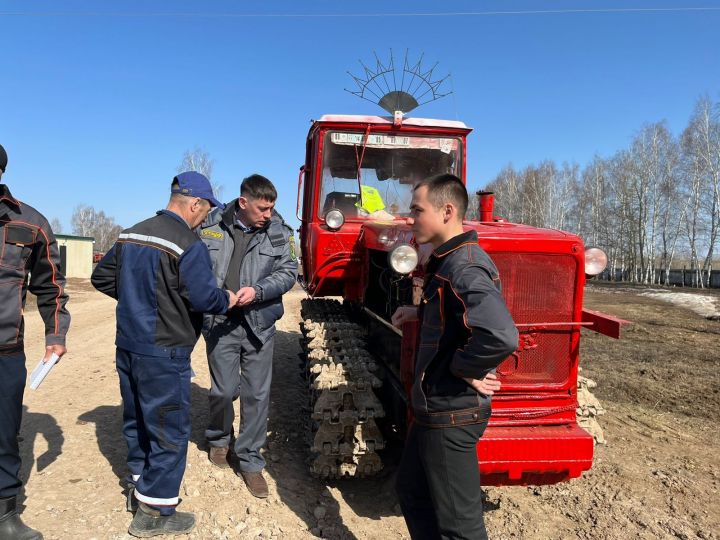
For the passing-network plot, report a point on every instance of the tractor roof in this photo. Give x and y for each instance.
(387, 120)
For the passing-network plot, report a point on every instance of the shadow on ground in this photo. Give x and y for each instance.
(34, 425)
(110, 440)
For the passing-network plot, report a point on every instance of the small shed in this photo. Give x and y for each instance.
(76, 255)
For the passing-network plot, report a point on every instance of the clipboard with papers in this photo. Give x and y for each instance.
(41, 370)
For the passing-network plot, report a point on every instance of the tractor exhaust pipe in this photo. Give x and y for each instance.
(486, 204)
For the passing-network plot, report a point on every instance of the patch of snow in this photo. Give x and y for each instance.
(706, 306)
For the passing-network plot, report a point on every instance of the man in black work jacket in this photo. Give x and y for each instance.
(159, 271)
(465, 332)
(27, 248)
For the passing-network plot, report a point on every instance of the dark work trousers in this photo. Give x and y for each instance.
(438, 483)
(12, 387)
(156, 424)
(241, 367)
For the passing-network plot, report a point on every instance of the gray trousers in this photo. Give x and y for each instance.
(240, 366)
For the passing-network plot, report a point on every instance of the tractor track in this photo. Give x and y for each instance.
(338, 368)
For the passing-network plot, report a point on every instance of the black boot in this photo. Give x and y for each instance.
(11, 526)
(148, 522)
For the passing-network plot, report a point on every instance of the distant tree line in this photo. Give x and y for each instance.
(86, 221)
(649, 206)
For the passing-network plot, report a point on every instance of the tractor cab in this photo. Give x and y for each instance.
(359, 170)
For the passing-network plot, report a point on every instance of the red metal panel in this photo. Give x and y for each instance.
(534, 408)
(533, 455)
(335, 259)
(538, 288)
(602, 323)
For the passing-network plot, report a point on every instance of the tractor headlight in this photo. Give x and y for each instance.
(403, 259)
(334, 219)
(387, 237)
(595, 261)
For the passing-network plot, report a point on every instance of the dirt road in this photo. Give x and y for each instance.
(657, 477)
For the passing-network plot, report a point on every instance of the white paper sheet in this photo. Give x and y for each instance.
(41, 371)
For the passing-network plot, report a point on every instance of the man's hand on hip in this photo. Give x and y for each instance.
(54, 349)
(486, 386)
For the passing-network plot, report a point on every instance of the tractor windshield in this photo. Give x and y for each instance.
(388, 165)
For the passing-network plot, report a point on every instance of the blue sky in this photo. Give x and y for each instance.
(101, 99)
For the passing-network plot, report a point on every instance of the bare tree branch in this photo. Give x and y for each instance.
(199, 160)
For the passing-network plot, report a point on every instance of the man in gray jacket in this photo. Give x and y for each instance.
(252, 252)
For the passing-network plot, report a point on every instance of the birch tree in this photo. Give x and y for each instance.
(82, 220)
(646, 206)
(86, 221)
(199, 160)
(56, 226)
(701, 157)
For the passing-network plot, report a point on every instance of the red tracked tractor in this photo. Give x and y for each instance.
(353, 197)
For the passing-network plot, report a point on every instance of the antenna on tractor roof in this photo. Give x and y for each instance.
(380, 85)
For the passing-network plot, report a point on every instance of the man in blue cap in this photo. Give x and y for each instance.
(160, 273)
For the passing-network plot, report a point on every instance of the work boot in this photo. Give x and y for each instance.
(219, 456)
(148, 522)
(11, 526)
(256, 484)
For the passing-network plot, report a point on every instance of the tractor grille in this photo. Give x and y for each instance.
(539, 288)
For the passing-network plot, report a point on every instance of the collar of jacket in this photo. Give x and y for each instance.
(228, 215)
(5, 195)
(173, 215)
(455, 242)
(216, 216)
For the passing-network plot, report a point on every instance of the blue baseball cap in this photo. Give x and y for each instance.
(194, 184)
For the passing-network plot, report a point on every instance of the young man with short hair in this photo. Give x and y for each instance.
(466, 331)
(253, 252)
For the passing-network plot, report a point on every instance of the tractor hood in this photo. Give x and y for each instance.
(384, 235)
